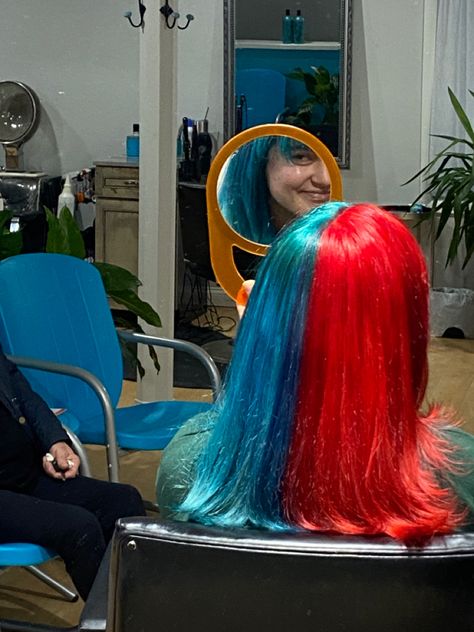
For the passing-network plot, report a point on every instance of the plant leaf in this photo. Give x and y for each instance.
(116, 278)
(461, 114)
(131, 300)
(64, 236)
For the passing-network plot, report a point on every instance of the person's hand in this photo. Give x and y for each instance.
(61, 461)
(243, 296)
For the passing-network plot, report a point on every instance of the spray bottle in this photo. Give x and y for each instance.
(66, 197)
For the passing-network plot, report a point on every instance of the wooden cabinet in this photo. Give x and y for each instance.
(116, 227)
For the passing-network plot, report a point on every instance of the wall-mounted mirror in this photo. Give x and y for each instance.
(306, 84)
(260, 180)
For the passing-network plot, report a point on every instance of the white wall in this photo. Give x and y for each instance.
(389, 54)
(386, 100)
(200, 64)
(82, 60)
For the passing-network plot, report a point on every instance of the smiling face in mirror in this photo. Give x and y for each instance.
(268, 182)
(297, 180)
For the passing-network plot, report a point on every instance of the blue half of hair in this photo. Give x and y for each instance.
(239, 472)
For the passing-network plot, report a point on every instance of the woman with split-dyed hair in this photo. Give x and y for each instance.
(318, 425)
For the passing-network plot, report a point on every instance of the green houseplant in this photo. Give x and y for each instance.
(64, 237)
(449, 179)
(322, 101)
(323, 90)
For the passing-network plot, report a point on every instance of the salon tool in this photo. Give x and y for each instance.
(204, 149)
(186, 166)
(194, 151)
(241, 114)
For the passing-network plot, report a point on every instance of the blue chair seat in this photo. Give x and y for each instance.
(24, 554)
(148, 426)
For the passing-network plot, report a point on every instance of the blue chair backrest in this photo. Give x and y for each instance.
(257, 84)
(54, 307)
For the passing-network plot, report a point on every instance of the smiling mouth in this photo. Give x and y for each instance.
(316, 195)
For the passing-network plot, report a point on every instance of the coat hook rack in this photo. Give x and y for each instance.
(141, 10)
(170, 14)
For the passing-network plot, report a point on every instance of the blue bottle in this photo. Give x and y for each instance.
(299, 28)
(133, 142)
(287, 31)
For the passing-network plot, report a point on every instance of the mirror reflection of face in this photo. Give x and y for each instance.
(297, 182)
(269, 181)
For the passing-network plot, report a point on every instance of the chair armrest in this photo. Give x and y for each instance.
(179, 345)
(96, 385)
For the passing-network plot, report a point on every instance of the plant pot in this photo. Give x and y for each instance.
(452, 308)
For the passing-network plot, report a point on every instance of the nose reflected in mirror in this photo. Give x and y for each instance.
(259, 181)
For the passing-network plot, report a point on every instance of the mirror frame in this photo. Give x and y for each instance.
(222, 237)
(345, 77)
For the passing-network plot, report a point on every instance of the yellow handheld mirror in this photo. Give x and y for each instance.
(258, 181)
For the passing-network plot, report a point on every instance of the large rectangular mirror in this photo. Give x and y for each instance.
(298, 75)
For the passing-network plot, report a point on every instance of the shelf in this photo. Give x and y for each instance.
(276, 45)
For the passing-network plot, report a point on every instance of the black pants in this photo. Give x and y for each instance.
(75, 518)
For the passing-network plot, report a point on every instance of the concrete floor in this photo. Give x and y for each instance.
(26, 598)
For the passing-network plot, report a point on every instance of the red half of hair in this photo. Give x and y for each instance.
(362, 460)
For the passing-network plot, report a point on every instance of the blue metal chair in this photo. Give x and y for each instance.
(28, 556)
(54, 308)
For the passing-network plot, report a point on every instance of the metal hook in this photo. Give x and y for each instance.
(168, 13)
(189, 19)
(141, 9)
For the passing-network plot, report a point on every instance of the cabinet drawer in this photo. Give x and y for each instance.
(117, 182)
(116, 233)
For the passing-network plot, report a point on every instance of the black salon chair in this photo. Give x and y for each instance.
(181, 576)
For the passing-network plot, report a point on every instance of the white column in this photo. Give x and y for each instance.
(157, 206)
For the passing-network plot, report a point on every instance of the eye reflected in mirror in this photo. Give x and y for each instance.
(268, 182)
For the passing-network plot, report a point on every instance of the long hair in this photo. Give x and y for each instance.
(318, 424)
(243, 192)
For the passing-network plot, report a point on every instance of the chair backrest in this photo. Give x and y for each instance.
(180, 576)
(255, 84)
(193, 227)
(54, 307)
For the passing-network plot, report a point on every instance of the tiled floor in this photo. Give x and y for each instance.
(24, 597)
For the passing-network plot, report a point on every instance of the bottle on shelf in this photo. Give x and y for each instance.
(133, 142)
(298, 36)
(66, 197)
(287, 28)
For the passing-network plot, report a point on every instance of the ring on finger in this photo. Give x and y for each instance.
(70, 463)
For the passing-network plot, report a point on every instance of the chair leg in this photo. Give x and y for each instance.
(69, 595)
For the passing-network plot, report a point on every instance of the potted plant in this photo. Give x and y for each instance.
(323, 91)
(449, 180)
(64, 237)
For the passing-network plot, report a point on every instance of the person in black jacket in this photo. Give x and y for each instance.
(43, 498)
